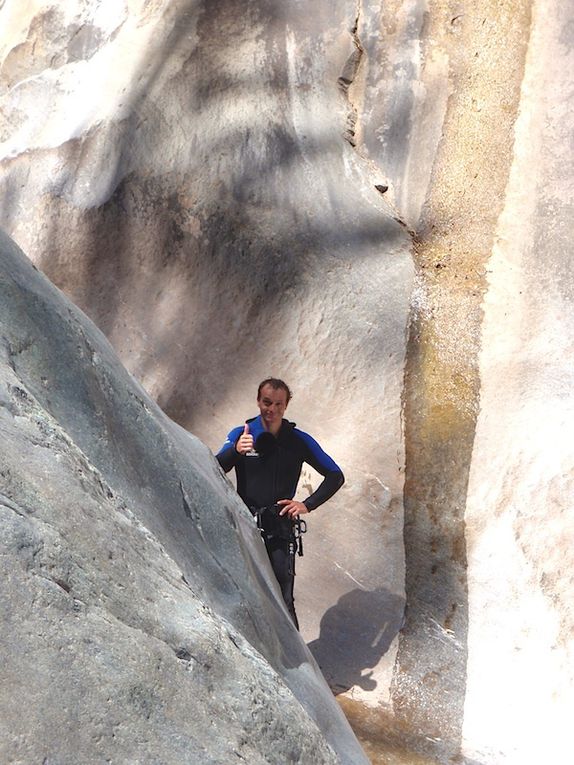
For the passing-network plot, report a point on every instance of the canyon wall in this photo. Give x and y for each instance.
(371, 201)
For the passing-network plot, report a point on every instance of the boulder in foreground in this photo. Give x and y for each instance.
(140, 619)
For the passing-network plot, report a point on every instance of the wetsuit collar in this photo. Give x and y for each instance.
(256, 427)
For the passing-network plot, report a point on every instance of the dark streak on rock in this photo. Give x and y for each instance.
(61, 583)
(183, 654)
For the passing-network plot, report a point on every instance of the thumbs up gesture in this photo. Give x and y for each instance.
(245, 441)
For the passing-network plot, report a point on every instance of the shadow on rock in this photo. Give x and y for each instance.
(354, 635)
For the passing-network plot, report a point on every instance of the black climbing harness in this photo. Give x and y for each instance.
(272, 525)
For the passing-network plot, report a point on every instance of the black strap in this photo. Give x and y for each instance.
(271, 524)
(300, 528)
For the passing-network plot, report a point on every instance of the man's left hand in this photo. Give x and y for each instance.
(292, 508)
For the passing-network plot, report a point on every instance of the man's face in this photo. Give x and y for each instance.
(272, 404)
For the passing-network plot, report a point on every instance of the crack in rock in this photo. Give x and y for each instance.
(347, 78)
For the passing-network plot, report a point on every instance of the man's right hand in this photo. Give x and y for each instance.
(245, 441)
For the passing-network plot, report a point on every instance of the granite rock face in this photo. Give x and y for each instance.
(138, 619)
(370, 200)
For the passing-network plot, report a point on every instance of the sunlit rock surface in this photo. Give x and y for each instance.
(138, 623)
(519, 521)
(200, 178)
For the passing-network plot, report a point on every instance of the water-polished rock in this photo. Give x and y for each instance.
(140, 621)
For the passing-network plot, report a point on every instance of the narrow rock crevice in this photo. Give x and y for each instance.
(348, 82)
(346, 79)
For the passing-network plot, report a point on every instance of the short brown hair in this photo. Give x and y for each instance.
(276, 384)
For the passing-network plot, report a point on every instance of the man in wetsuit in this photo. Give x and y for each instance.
(268, 453)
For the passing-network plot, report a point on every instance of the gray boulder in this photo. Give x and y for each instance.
(140, 619)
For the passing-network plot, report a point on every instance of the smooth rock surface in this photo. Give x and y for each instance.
(201, 179)
(138, 619)
(519, 522)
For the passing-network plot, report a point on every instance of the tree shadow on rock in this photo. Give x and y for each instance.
(354, 635)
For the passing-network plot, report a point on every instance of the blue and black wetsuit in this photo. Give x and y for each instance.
(272, 475)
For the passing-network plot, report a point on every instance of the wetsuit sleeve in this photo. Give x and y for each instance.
(227, 456)
(333, 477)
